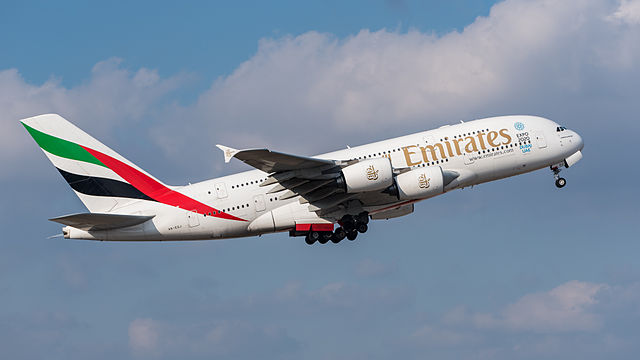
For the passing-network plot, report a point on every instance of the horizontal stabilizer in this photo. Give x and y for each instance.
(97, 221)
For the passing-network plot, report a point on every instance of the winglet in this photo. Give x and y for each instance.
(228, 152)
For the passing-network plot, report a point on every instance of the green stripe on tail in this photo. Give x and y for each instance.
(62, 148)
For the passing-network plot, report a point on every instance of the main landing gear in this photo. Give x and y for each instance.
(560, 181)
(350, 227)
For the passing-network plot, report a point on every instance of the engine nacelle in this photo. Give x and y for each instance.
(368, 175)
(421, 183)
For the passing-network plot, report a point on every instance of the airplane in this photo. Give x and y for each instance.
(323, 198)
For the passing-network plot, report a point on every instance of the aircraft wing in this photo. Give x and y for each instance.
(314, 180)
(272, 161)
(98, 221)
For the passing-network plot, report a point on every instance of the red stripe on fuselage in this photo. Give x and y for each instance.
(155, 190)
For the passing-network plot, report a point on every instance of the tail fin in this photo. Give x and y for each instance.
(102, 179)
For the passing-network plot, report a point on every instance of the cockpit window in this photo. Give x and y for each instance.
(561, 128)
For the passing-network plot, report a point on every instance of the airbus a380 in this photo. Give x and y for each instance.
(305, 196)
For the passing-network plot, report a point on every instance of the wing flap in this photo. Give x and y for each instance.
(98, 221)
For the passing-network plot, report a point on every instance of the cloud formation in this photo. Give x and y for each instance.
(577, 317)
(112, 96)
(525, 55)
(628, 12)
(568, 307)
(540, 57)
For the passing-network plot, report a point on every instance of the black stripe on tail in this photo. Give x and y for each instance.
(96, 186)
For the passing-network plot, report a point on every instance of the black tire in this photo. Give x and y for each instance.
(351, 235)
(363, 218)
(348, 222)
(560, 183)
(308, 240)
(339, 233)
(335, 239)
(362, 228)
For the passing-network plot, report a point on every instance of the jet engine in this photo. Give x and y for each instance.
(367, 175)
(422, 183)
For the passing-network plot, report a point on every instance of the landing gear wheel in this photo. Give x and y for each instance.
(323, 239)
(315, 236)
(351, 235)
(362, 228)
(339, 233)
(560, 183)
(335, 239)
(363, 218)
(309, 240)
(348, 222)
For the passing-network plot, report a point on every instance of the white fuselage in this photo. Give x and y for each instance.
(480, 151)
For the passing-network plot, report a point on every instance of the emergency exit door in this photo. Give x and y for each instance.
(259, 203)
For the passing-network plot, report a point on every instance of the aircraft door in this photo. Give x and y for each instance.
(221, 190)
(192, 217)
(259, 202)
(542, 143)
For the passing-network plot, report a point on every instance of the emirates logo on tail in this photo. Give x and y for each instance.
(423, 181)
(372, 173)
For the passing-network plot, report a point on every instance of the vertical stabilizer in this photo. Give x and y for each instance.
(100, 177)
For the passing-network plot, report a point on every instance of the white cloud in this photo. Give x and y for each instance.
(144, 336)
(540, 57)
(586, 319)
(568, 307)
(628, 12)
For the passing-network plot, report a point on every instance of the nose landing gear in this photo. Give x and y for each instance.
(560, 181)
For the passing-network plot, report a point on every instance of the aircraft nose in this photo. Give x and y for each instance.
(579, 141)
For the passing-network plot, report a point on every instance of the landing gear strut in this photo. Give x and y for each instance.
(560, 182)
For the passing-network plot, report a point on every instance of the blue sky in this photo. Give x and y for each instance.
(510, 269)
